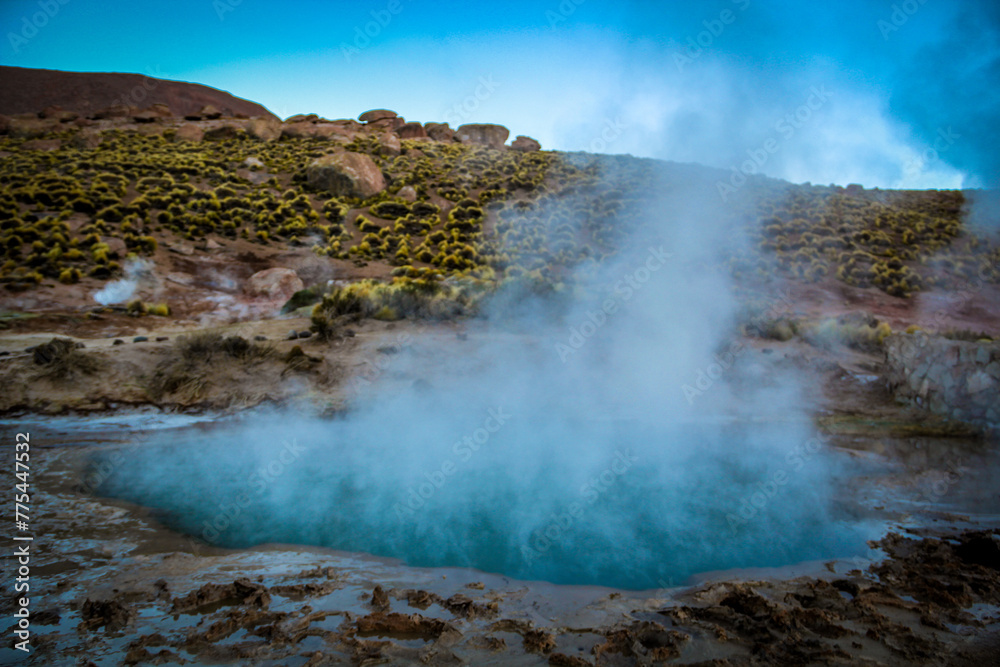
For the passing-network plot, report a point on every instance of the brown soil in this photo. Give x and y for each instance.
(31, 90)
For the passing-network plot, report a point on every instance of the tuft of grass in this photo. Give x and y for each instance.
(61, 360)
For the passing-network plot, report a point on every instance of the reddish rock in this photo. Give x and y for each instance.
(228, 130)
(32, 128)
(277, 283)
(113, 111)
(525, 144)
(264, 129)
(307, 130)
(302, 118)
(389, 145)
(58, 113)
(440, 132)
(209, 112)
(189, 132)
(484, 134)
(86, 139)
(146, 116)
(412, 130)
(346, 174)
(376, 115)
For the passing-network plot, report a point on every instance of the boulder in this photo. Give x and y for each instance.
(32, 128)
(151, 129)
(189, 132)
(147, 116)
(114, 111)
(277, 283)
(209, 112)
(440, 132)
(307, 130)
(58, 113)
(86, 139)
(302, 118)
(525, 144)
(264, 129)
(252, 162)
(376, 115)
(346, 175)
(228, 130)
(348, 124)
(412, 130)
(389, 145)
(116, 246)
(386, 125)
(484, 134)
(407, 193)
(4, 124)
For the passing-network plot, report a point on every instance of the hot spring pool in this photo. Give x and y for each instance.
(619, 504)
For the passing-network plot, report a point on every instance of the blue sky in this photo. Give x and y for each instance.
(888, 94)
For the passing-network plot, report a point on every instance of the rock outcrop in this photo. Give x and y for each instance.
(954, 378)
(346, 175)
(485, 134)
(277, 283)
(525, 144)
(439, 132)
(376, 115)
(411, 130)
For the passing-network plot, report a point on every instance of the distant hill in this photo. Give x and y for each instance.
(24, 90)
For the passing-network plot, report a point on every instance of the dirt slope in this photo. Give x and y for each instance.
(24, 90)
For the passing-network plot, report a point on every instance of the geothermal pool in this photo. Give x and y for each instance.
(617, 503)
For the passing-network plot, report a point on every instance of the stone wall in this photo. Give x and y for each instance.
(957, 379)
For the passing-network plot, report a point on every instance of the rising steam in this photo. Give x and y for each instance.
(619, 439)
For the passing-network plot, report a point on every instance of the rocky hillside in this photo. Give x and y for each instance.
(24, 90)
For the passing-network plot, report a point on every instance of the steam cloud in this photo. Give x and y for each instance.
(563, 446)
(123, 289)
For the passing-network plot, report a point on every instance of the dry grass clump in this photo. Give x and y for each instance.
(185, 370)
(62, 360)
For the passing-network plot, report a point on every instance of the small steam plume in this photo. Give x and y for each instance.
(137, 272)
